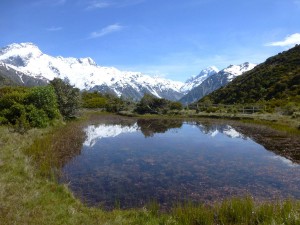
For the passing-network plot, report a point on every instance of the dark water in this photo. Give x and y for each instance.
(132, 163)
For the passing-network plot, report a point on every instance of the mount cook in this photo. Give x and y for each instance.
(27, 65)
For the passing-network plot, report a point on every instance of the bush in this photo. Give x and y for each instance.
(290, 109)
(93, 100)
(36, 117)
(44, 98)
(68, 97)
(176, 106)
(94, 103)
(153, 105)
(3, 120)
(15, 113)
(10, 96)
(24, 108)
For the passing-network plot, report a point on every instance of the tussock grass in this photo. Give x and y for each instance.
(50, 152)
(30, 195)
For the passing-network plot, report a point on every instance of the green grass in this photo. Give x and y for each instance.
(30, 195)
(278, 122)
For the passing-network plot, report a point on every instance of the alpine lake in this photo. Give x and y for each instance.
(129, 162)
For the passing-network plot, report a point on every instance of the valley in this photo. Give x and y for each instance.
(141, 112)
(127, 148)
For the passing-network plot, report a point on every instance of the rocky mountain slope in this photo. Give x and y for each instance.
(84, 73)
(25, 64)
(278, 78)
(215, 82)
(195, 81)
(10, 76)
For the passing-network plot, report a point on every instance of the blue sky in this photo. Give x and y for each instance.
(170, 38)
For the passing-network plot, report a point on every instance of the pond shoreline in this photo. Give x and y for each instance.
(256, 126)
(39, 199)
(284, 128)
(279, 122)
(210, 145)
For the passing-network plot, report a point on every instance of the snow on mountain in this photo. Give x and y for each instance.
(30, 66)
(197, 80)
(214, 130)
(236, 70)
(95, 133)
(84, 73)
(229, 131)
(216, 81)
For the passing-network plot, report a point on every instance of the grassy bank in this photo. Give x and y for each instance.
(278, 122)
(29, 194)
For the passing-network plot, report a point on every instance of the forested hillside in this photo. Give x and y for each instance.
(278, 78)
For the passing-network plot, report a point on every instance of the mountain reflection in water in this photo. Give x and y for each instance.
(173, 161)
(150, 127)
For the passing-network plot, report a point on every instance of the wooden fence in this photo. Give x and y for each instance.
(244, 109)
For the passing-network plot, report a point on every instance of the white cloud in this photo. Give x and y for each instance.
(106, 30)
(53, 29)
(289, 41)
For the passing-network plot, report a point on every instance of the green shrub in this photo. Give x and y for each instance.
(3, 120)
(98, 102)
(36, 117)
(153, 105)
(212, 109)
(176, 106)
(24, 108)
(10, 96)
(68, 97)
(44, 98)
(290, 109)
(14, 113)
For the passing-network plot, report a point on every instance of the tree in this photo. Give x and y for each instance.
(68, 97)
(176, 106)
(152, 104)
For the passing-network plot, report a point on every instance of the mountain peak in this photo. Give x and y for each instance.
(19, 46)
(237, 70)
(84, 73)
(215, 81)
(197, 80)
(19, 54)
(87, 61)
(207, 71)
(276, 78)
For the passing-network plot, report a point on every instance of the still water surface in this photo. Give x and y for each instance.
(132, 163)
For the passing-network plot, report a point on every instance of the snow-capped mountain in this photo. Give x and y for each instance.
(14, 77)
(214, 130)
(197, 80)
(27, 59)
(216, 81)
(233, 71)
(95, 133)
(26, 64)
